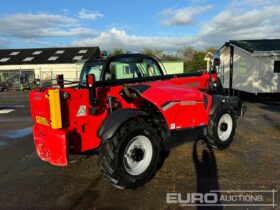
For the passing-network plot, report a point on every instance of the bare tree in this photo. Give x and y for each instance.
(117, 51)
(186, 53)
(152, 52)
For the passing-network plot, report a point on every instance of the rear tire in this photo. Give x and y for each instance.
(221, 127)
(131, 157)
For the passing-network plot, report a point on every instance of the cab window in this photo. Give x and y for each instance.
(92, 68)
(132, 67)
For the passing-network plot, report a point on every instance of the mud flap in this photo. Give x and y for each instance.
(234, 102)
(114, 121)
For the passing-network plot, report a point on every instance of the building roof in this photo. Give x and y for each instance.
(257, 45)
(47, 55)
(208, 56)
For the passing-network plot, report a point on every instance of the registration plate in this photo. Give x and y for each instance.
(42, 120)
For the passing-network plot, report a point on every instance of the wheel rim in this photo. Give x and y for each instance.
(225, 127)
(138, 155)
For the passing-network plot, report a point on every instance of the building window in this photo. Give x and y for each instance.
(242, 66)
(82, 51)
(77, 58)
(37, 52)
(59, 52)
(53, 58)
(4, 60)
(276, 66)
(28, 59)
(14, 53)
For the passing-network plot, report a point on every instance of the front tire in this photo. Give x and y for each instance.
(221, 127)
(130, 158)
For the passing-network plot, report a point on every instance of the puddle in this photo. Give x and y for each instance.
(17, 133)
(12, 106)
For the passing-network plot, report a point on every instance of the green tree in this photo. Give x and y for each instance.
(152, 52)
(170, 57)
(186, 53)
(194, 59)
(198, 62)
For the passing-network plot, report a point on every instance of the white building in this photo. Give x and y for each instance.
(44, 63)
(251, 66)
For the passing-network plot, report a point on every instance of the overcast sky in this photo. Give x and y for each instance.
(133, 25)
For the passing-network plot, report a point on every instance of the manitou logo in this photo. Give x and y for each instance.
(192, 198)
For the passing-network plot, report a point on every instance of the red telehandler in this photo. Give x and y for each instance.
(125, 108)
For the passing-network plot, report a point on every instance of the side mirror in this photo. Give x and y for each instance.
(216, 61)
(91, 80)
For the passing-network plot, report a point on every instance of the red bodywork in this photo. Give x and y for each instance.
(180, 100)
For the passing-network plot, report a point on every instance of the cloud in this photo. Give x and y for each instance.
(230, 24)
(89, 15)
(258, 2)
(27, 25)
(118, 38)
(237, 21)
(35, 42)
(183, 16)
(253, 24)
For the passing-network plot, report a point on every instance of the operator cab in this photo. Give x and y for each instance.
(124, 67)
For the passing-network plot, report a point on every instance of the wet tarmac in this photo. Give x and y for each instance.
(251, 163)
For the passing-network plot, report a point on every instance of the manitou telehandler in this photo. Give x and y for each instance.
(127, 110)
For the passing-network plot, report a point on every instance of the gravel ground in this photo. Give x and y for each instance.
(251, 163)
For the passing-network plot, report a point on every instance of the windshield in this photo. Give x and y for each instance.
(132, 67)
(92, 68)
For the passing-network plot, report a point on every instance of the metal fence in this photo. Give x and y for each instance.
(10, 79)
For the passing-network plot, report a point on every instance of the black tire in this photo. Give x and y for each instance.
(112, 157)
(213, 138)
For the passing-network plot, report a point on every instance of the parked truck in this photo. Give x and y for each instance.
(130, 113)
